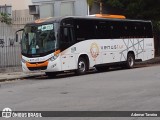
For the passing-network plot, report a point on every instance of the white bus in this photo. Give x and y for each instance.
(61, 44)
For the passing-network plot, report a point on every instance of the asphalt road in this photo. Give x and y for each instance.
(116, 90)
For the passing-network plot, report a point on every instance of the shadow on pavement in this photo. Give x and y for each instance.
(73, 74)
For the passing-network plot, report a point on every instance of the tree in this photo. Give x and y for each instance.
(5, 18)
(90, 3)
(140, 9)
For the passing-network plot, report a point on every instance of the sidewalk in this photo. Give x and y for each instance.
(17, 75)
(8, 76)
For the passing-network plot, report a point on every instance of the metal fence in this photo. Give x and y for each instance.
(10, 55)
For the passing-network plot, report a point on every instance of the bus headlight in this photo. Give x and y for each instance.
(23, 60)
(56, 54)
(53, 57)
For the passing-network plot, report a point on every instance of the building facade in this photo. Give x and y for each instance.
(55, 8)
(10, 48)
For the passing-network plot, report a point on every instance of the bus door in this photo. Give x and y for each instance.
(68, 61)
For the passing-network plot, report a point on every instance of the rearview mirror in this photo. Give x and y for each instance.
(17, 34)
(16, 37)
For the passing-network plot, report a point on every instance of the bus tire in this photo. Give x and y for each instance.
(130, 60)
(82, 66)
(51, 74)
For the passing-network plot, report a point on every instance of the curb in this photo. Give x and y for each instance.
(10, 79)
(19, 77)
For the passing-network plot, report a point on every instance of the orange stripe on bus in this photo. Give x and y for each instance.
(37, 64)
(110, 16)
(57, 52)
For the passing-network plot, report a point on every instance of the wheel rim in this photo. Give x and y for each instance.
(81, 66)
(130, 61)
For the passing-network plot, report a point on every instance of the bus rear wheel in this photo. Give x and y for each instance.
(82, 66)
(130, 60)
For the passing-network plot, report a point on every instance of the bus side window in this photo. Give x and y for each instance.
(84, 30)
(67, 37)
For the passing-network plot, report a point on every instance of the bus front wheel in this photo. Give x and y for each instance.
(130, 60)
(82, 66)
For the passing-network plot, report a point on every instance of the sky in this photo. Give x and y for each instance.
(16, 4)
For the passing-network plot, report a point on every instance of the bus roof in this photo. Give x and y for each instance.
(59, 19)
(109, 16)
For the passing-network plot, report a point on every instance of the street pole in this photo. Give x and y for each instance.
(101, 6)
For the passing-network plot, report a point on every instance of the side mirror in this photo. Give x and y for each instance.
(16, 37)
(17, 34)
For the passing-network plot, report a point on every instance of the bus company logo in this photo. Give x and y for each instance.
(6, 113)
(94, 50)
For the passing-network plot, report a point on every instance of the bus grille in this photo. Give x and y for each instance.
(37, 68)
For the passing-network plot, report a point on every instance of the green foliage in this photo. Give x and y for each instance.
(114, 3)
(139, 9)
(134, 9)
(156, 26)
(5, 18)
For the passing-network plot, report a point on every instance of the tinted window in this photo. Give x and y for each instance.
(111, 29)
(84, 29)
(103, 29)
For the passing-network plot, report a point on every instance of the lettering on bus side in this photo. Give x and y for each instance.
(112, 47)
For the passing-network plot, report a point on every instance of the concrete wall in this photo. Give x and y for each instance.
(54, 8)
(21, 16)
(10, 52)
(81, 8)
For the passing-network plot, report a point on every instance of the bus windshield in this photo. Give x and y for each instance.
(39, 39)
